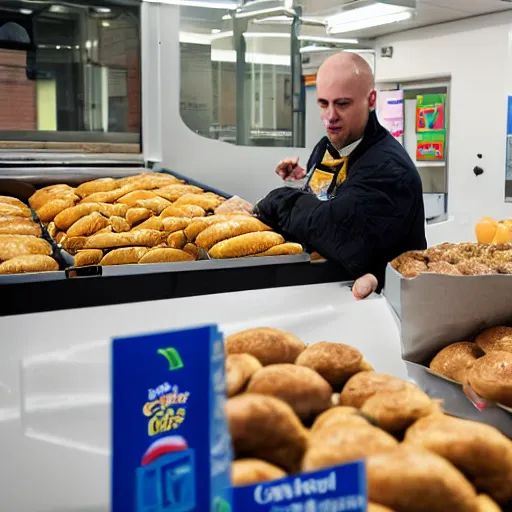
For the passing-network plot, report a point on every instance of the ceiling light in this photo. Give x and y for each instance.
(105, 24)
(370, 15)
(259, 12)
(216, 30)
(251, 58)
(197, 3)
(102, 9)
(268, 35)
(275, 20)
(333, 40)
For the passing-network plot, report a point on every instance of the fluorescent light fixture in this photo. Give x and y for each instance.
(251, 58)
(371, 15)
(197, 3)
(275, 20)
(333, 40)
(318, 49)
(258, 12)
(102, 9)
(216, 30)
(105, 24)
(266, 35)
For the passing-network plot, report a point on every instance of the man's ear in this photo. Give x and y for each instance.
(372, 100)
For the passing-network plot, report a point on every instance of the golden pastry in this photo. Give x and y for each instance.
(454, 360)
(119, 225)
(285, 249)
(185, 210)
(268, 345)
(166, 255)
(239, 369)
(172, 224)
(174, 192)
(99, 185)
(124, 256)
(29, 263)
(88, 225)
(156, 204)
(19, 226)
(199, 225)
(253, 471)
(136, 215)
(12, 246)
(51, 209)
(151, 223)
(338, 416)
(245, 245)
(88, 257)
(142, 237)
(495, 339)
(177, 240)
(207, 203)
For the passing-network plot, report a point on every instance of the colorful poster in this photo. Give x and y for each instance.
(390, 112)
(430, 112)
(431, 146)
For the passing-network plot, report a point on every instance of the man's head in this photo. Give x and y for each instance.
(346, 95)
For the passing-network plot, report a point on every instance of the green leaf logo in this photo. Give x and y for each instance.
(173, 358)
(221, 505)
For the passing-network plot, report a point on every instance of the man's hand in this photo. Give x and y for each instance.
(364, 286)
(290, 170)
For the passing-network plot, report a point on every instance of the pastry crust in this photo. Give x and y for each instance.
(46, 194)
(13, 201)
(193, 250)
(119, 225)
(491, 377)
(409, 479)
(374, 507)
(136, 215)
(174, 192)
(245, 245)
(199, 225)
(185, 210)
(88, 257)
(177, 240)
(132, 198)
(307, 393)
(66, 218)
(151, 223)
(172, 224)
(124, 256)
(166, 255)
(156, 204)
(12, 246)
(228, 229)
(10, 210)
(495, 339)
(19, 226)
(286, 249)
(339, 416)
(88, 225)
(29, 263)
(106, 197)
(478, 450)
(51, 209)
(239, 370)
(268, 345)
(455, 360)
(99, 185)
(111, 210)
(486, 504)
(150, 180)
(142, 237)
(254, 471)
(74, 244)
(206, 202)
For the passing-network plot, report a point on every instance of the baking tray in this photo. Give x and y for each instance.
(186, 266)
(31, 277)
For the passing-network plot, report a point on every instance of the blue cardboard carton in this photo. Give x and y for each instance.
(171, 448)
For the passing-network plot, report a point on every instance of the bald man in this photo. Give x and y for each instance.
(362, 204)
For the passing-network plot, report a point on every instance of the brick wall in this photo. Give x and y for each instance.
(18, 108)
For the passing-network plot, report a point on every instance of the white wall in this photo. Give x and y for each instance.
(476, 54)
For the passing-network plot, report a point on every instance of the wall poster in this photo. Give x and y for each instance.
(431, 127)
(390, 112)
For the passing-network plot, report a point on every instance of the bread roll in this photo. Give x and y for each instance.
(198, 225)
(495, 339)
(99, 185)
(454, 360)
(88, 257)
(45, 194)
(373, 507)
(239, 369)
(151, 223)
(338, 416)
(166, 255)
(13, 201)
(207, 203)
(266, 428)
(136, 215)
(51, 209)
(173, 224)
(185, 210)
(12, 246)
(335, 362)
(193, 250)
(491, 377)
(341, 444)
(113, 210)
(229, 229)
(366, 366)
(51, 228)
(414, 480)
(157, 204)
(10, 210)
(245, 245)
(106, 229)
(132, 198)
(364, 385)
(66, 218)
(29, 263)
(253, 471)
(268, 345)
(142, 237)
(150, 180)
(486, 504)
(480, 451)
(303, 389)
(286, 249)
(119, 225)
(394, 411)
(19, 226)
(106, 197)
(59, 237)
(74, 244)
(88, 225)
(124, 256)
(174, 192)
(177, 240)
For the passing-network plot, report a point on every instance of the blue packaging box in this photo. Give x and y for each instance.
(171, 447)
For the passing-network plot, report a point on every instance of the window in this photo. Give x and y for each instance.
(79, 83)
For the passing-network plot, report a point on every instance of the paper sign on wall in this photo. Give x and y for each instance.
(431, 127)
(390, 112)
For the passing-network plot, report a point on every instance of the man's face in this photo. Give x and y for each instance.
(344, 105)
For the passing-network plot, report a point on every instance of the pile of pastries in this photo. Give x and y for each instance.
(149, 218)
(485, 364)
(465, 259)
(294, 408)
(21, 247)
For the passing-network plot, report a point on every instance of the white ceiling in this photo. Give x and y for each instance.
(429, 12)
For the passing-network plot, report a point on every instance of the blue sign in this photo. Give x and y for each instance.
(509, 116)
(171, 447)
(338, 489)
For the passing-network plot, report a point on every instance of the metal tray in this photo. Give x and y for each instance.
(31, 277)
(186, 266)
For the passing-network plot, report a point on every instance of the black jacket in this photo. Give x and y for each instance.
(375, 215)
